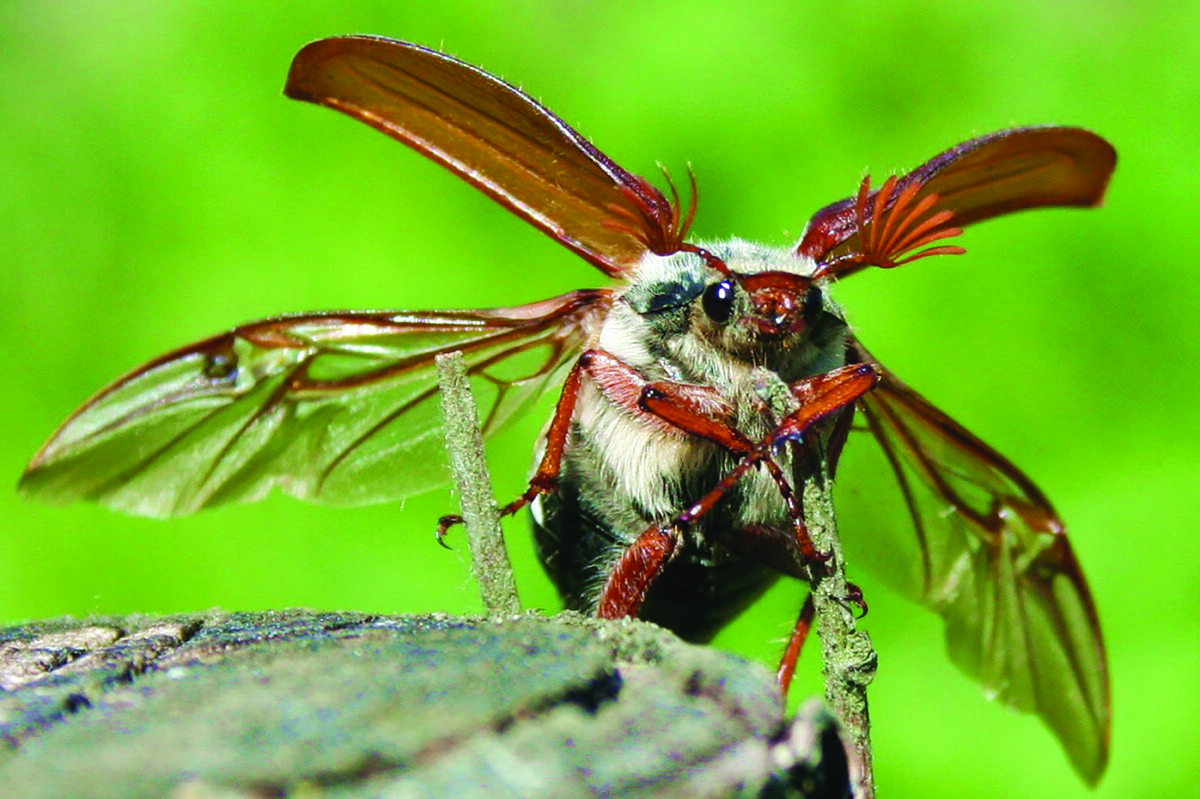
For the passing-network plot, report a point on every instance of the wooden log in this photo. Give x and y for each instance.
(350, 704)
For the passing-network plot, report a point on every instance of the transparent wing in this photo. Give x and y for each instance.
(495, 137)
(993, 560)
(337, 407)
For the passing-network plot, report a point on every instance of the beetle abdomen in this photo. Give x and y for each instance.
(701, 590)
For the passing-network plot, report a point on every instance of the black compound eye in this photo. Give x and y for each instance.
(718, 301)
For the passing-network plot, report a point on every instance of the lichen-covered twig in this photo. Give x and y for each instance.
(849, 661)
(468, 466)
(846, 653)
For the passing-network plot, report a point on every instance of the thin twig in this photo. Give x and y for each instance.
(849, 661)
(468, 466)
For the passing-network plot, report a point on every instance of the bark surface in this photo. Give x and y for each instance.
(351, 704)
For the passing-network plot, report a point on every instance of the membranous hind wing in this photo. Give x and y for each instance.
(339, 407)
(995, 563)
(332, 407)
(990, 553)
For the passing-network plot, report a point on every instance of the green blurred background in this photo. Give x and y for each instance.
(155, 187)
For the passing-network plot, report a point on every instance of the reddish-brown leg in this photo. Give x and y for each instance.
(822, 395)
(639, 566)
(791, 654)
(671, 407)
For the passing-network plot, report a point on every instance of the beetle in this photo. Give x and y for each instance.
(665, 487)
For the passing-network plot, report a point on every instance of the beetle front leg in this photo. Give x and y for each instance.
(791, 653)
(701, 412)
(819, 396)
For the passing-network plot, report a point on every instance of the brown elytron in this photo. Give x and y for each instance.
(666, 484)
